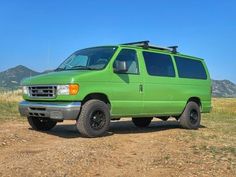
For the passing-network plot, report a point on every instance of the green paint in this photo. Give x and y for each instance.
(160, 95)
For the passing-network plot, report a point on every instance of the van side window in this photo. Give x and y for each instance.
(131, 59)
(188, 68)
(159, 64)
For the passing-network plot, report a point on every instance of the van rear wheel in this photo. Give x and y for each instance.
(94, 119)
(142, 122)
(191, 117)
(42, 124)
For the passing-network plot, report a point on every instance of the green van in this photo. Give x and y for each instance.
(96, 85)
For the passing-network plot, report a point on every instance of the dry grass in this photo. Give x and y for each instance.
(224, 105)
(218, 139)
(9, 105)
(10, 96)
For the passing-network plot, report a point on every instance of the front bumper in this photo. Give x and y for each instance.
(53, 110)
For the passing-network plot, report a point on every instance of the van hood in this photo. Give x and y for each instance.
(57, 77)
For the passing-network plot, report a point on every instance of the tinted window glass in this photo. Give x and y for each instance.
(189, 68)
(91, 58)
(159, 64)
(131, 59)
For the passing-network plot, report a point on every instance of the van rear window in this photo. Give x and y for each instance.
(188, 68)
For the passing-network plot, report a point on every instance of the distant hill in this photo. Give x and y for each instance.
(223, 88)
(11, 78)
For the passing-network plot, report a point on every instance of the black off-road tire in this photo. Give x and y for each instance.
(94, 119)
(191, 117)
(42, 124)
(164, 118)
(142, 122)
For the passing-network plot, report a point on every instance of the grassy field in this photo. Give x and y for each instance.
(210, 151)
(9, 105)
(218, 138)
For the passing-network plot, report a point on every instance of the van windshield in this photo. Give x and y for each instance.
(88, 59)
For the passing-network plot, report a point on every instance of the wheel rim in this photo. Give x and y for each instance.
(97, 120)
(193, 116)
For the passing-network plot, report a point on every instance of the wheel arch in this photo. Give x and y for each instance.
(99, 96)
(196, 100)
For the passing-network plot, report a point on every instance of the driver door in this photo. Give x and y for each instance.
(126, 85)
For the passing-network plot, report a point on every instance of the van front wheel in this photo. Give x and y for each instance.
(94, 119)
(142, 122)
(191, 117)
(42, 124)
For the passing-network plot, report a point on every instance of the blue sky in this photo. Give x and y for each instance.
(41, 34)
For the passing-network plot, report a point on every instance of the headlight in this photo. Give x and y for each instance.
(25, 90)
(71, 89)
(63, 89)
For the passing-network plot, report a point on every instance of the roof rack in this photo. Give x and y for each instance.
(139, 43)
(174, 48)
(145, 44)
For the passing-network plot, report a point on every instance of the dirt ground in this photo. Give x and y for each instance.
(163, 149)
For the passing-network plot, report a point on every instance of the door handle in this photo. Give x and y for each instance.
(141, 88)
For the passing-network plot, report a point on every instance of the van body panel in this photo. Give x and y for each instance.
(134, 95)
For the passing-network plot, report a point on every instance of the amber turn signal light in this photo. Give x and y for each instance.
(73, 89)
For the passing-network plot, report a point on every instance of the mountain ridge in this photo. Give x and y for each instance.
(11, 78)
(223, 88)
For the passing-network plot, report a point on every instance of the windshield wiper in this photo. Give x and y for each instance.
(79, 67)
(82, 67)
(59, 69)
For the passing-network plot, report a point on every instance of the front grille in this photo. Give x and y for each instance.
(42, 91)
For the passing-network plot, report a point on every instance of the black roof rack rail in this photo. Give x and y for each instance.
(174, 48)
(139, 43)
(145, 44)
(160, 48)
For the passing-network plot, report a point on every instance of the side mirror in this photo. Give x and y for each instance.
(120, 66)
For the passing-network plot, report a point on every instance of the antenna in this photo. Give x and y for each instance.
(49, 55)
